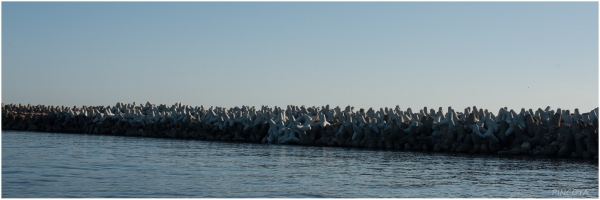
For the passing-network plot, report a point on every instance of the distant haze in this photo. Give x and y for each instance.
(228, 54)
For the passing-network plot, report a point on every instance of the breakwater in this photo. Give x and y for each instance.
(543, 132)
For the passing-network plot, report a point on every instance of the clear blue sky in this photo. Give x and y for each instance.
(362, 54)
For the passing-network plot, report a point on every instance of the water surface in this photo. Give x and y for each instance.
(48, 165)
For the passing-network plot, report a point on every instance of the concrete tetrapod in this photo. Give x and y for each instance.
(540, 132)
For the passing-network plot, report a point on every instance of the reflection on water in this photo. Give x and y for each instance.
(75, 165)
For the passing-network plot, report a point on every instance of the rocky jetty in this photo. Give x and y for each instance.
(543, 132)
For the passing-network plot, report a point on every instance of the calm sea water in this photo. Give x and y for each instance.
(76, 165)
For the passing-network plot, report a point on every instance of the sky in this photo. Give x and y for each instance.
(227, 54)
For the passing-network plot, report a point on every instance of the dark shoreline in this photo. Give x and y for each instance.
(426, 152)
(577, 140)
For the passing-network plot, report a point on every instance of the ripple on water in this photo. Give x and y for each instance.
(79, 165)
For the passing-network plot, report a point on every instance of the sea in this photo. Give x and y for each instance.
(67, 165)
